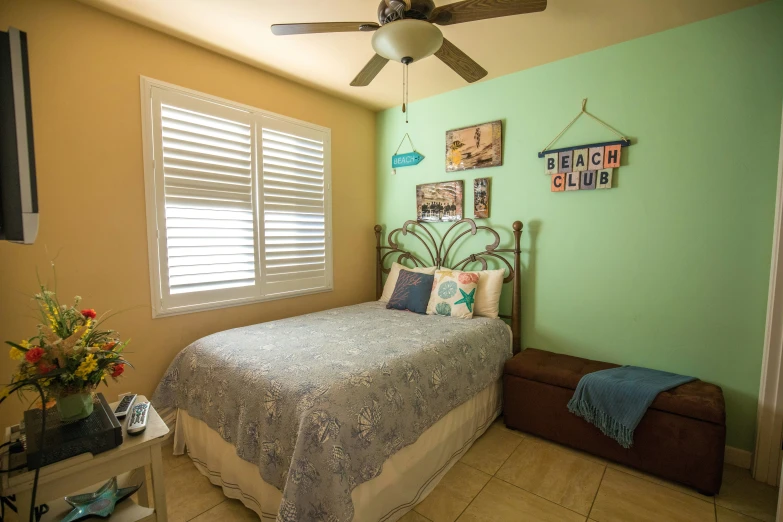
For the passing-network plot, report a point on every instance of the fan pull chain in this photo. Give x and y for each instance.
(403, 89)
(405, 80)
(407, 86)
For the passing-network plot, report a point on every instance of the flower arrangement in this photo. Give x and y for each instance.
(70, 355)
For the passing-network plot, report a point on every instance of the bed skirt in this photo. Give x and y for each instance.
(407, 477)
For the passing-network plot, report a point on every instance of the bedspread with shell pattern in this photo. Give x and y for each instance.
(320, 401)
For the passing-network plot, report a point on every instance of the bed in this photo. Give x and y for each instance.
(353, 413)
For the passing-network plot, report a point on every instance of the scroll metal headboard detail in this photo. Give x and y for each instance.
(438, 253)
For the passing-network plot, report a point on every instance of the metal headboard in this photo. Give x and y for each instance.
(438, 252)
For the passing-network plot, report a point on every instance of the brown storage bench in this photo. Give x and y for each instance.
(681, 437)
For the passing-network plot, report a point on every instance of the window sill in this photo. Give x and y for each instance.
(158, 313)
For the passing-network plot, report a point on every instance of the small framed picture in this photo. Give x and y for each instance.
(439, 201)
(474, 147)
(481, 198)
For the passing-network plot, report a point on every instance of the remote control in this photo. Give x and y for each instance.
(125, 405)
(137, 422)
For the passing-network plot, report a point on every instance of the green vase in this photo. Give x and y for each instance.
(75, 406)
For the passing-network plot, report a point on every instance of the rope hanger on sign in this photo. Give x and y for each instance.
(599, 120)
(413, 148)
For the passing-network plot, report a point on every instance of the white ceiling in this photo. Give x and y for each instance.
(240, 29)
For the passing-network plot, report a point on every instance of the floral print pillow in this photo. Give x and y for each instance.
(453, 294)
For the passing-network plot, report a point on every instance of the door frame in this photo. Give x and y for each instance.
(769, 432)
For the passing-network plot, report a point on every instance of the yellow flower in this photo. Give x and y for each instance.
(24, 343)
(87, 328)
(88, 365)
(5, 392)
(16, 354)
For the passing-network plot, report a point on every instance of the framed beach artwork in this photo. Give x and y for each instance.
(474, 147)
(481, 198)
(439, 201)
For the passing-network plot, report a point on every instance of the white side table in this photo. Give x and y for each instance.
(88, 472)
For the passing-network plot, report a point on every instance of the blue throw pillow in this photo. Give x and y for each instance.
(412, 292)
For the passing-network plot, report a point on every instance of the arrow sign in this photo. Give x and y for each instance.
(408, 159)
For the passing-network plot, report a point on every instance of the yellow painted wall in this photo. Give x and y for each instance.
(85, 67)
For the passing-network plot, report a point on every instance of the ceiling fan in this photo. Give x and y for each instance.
(407, 32)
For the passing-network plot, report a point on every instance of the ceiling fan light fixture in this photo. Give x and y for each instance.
(408, 38)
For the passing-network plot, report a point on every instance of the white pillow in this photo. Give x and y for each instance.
(391, 281)
(488, 293)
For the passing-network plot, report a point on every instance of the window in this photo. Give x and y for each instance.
(238, 202)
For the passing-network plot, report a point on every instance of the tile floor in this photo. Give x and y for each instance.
(509, 476)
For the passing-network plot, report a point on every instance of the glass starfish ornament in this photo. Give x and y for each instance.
(100, 503)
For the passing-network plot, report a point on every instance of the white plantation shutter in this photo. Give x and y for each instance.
(239, 203)
(294, 206)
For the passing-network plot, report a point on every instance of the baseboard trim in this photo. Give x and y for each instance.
(738, 457)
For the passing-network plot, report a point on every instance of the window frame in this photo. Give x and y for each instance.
(155, 206)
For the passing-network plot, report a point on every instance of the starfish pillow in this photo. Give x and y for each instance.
(453, 294)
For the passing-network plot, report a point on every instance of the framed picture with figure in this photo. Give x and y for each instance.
(481, 198)
(474, 147)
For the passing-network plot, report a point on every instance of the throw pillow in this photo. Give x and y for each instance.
(394, 273)
(453, 294)
(490, 286)
(412, 292)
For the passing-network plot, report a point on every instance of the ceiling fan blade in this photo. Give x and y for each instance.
(370, 71)
(472, 10)
(460, 62)
(323, 27)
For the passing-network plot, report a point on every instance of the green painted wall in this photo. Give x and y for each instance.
(670, 268)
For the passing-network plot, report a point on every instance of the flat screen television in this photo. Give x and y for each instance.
(18, 190)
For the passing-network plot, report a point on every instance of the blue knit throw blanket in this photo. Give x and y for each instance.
(615, 400)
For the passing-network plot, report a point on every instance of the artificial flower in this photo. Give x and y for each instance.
(87, 366)
(70, 354)
(34, 355)
(45, 368)
(86, 327)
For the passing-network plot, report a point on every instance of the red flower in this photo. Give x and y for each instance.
(118, 369)
(45, 368)
(89, 312)
(33, 355)
(109, 346)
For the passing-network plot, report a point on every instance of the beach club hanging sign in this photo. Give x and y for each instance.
(583, 167)
(407, 159)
